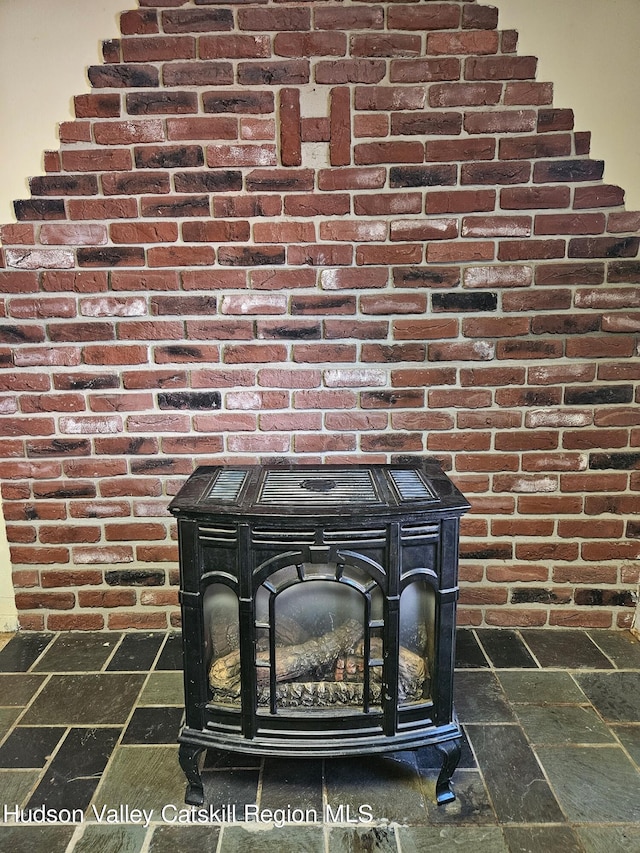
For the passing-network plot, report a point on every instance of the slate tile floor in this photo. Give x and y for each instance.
(551, 758)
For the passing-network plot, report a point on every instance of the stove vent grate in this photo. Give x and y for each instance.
(410, 486)
(227, 486)
(314, 488)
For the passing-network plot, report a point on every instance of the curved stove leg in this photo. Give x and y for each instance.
(188, 756)
(450, 751)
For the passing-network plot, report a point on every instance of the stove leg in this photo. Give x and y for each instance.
(188, 756)
(450, 751)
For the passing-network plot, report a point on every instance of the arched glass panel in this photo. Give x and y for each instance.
(222, 644)
(315, 639)
(417, 639)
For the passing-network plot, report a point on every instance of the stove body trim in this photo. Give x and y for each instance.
(400, 522)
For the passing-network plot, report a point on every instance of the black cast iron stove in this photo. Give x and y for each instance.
(318, 611)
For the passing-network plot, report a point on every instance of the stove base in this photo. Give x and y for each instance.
(193, 743)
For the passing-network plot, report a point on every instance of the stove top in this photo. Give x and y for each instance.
(293, 487)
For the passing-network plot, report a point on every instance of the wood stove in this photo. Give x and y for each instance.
(318, 611)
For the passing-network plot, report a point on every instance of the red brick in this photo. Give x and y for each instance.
(99, 105)
(45, 600)
(311, 44)
(121, 208)
(521, 618)
(473, 42)
(340, 126)
(500, 68)
(496, 226)
(460, 252)
(128, 132)
(570, 223)
(234, 46)
(349, 18)
(446, 151)
(159, 598)
(107, 598)
(370, 153)
(93, 159)
(384, 204)
(601, 195)
(320, 255)
(460, 201)
(435, 16)
(528, 93)
(142, 621)
(524, 250)
(580, 619)
(495, 173)
(505, 121)
(158, 48)
(535, 147)
(75, 622)
(534, 198)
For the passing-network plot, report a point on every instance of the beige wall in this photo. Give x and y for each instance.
(589, 50)
(45, 49)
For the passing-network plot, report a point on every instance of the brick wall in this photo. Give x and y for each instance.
(336, 232)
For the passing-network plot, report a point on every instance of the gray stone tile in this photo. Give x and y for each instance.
(376, 839)
(479, 698)
(163, 688)
(18, 690)
(593, 784)
(184, 839)
(145, 777)
(567, 649)
(72, 777)
(15, 786)
(22, 651)
(238, 787)
(153, 725)
(610, 839)
(171, 655)
(621, 646)
(110, 839)
(30, 746)
(136, 652)
(36, 839)
(272, 839)
(516, 784)
(292, 782)
(8, 716)
(505, 649)
(469, 655)
(392, 788)
(629, 737)
(438, 839)
(540, 687)
(563, 724)
(77, 652)
(542, 839)
(615, 695)
(100, 699)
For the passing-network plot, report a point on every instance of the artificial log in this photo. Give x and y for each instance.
(332, 667)
(412, 670)
(225, 636)
(291, 661)
(320, 694)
